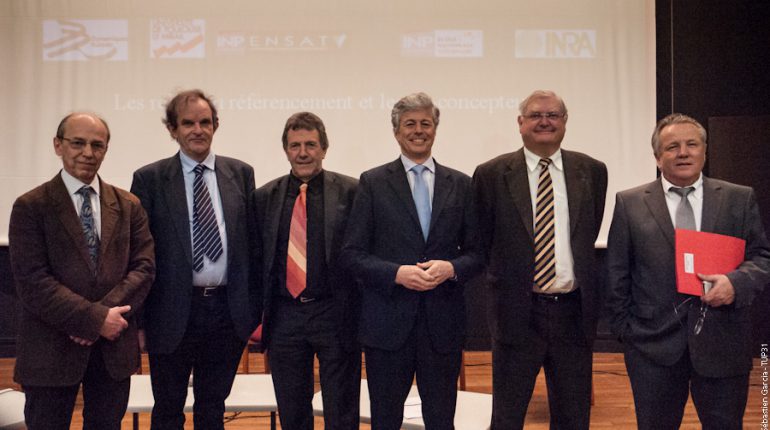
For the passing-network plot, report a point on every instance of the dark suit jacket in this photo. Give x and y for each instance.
(384, 233)
(501, 189)
(160, 187)
(339, 191)
(63, 295)
(642, 279)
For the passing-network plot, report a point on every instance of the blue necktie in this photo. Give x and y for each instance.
(89, 227)
(421, 196)
(206, 240)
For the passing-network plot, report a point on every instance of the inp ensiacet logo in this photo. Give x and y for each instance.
(177, 38)
(85, 40)
(555, 44)
(443, 44)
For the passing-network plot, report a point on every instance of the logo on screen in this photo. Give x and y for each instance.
(555, 44)
(443, 44)
(177, 38)
(241, 42)
(85, 40)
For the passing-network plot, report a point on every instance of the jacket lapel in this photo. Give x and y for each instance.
(331, 202)
(230, 196)
(68, 216)
(443, 187)
(656, 203)
(518, 187)
(577, 189)
(400, 185)
(110, 214)
(274, 205)
(712, 205)
(176, 200)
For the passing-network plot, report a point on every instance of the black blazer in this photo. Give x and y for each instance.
(339, 191)
(160, 187)
(642, 279)
(384, 233)
(502, 195)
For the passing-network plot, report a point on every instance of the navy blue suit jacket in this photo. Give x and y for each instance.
(384, 233)
(160, 187)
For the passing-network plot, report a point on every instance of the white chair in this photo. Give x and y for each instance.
(473, 412)
(250, 393)
(12, 409)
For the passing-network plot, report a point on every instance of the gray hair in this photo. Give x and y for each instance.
(675, 118)
(539, 94)
(412, 102)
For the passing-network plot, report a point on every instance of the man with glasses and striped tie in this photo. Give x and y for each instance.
(206, 299)
(82, 259)
(675, 344)
(540, 209)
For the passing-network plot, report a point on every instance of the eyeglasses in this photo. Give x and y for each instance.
(550, 116)
(80, 144)
(701, 318)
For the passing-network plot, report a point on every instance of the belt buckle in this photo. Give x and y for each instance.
(209, 291)
(306, 299)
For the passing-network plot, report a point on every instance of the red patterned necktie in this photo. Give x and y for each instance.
(296, 260)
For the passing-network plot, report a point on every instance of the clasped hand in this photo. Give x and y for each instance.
(425, 276)
(112, 327)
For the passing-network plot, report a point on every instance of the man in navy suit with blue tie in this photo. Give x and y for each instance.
(410, 244)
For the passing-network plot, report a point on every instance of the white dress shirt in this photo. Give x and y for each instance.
(73, 185)
(214, 272)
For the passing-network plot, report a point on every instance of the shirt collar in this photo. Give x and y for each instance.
(408, 164)
(188, 164)
(698, 184)
(533, 159)
(315, 181)
(74, 184)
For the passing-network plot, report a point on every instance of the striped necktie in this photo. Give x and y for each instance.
(206, 239)
(545, 242)
(296, 258)
(89, 226)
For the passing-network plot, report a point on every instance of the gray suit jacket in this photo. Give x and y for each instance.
(160, 187)
(642, 279)
(339, 191)
(501, 189)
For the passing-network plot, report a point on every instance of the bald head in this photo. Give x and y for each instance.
(81, 142)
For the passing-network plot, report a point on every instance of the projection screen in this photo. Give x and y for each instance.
(345, 60)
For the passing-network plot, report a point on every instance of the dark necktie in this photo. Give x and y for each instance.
(89, 226)
(206, 240)
(545, 242)
(296, 259)
(685, 217)
(421, 196)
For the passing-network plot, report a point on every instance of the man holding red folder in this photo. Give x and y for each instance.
(678, 344)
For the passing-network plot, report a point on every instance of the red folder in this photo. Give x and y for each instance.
(707, 254)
